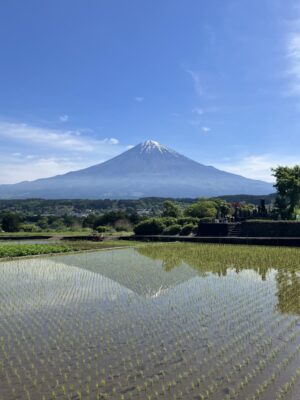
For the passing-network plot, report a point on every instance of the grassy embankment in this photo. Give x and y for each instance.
(52, 233)
(8, 250)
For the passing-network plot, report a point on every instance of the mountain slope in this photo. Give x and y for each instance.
(148, 169)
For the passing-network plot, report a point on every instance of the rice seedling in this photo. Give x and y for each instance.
(159, 321)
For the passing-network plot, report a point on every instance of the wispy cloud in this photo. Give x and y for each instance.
(70, 140)
(25, 169)
(197, 81)
(64, 118)
(205, 129)
(33, 152)
(256, 166)
(114, 141)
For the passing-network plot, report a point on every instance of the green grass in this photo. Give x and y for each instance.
(85, 232)
(48, 233)
(21, 250)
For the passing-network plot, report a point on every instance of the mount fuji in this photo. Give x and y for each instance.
(146, 170)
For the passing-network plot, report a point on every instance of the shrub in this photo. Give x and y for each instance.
(153, 226)
(187, 220)
(187, 229)
(123, 225)
(205, 220)
(171, 209)
(167, 221)
(202, 208)
(172, 229)
(11, 222)
(29, 228)
(102, 229)
(123, 229)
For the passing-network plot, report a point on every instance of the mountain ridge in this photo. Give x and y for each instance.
(147, 169)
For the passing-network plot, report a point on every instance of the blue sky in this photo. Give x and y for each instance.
(82, 81)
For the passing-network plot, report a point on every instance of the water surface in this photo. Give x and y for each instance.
(161, 321)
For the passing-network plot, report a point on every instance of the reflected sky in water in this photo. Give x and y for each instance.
(165, 321)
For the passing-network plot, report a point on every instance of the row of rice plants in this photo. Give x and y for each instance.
(72, 333)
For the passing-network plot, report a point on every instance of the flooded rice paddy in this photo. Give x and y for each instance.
(171, 321)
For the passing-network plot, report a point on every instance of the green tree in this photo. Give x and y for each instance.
(223, 207)
(170, 209)
(11, 222)
(152, 226)
(288, 189)
(42, 222)
(202, 209)
(28, 228)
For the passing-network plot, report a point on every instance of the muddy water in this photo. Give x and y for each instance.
(124, 325)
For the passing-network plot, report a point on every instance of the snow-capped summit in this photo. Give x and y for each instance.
(148, 169)
(150, 145)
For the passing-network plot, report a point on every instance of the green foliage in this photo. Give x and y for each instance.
(202, 208)
(42, 222)
(15, 250)
(29, 228)
(19, 250)
(205, 220)
(187, 220)
(172, 230)
(11, 222)
(123, 225)
(153, 226)
(90, 221)
(224, 208)
(109, 218)
(187, 229)
(58, 225)
(102, 229)
(288, 189)
(170, 209)
(167, 221)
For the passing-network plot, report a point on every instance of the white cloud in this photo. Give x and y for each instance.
(139, 99)
(64, 118)
(71, 140)
(37, 152)
(114, 141)
(197, 81)
(256, 166)
(205, 129)
(31, 169)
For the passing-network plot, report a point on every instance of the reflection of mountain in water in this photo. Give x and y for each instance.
(205, 259)
(151, 271)
(131, 270)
